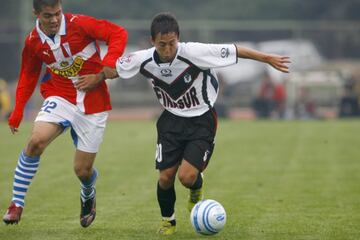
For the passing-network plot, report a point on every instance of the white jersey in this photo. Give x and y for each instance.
(187, 86)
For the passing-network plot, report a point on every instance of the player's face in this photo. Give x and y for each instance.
(166, 45)
(50, 19)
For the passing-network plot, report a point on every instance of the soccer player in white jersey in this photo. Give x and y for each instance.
(67, 45)
(184, 82)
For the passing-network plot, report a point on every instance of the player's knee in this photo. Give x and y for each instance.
(187, 179)
(36, 146)
(83, 172)
(166, 180)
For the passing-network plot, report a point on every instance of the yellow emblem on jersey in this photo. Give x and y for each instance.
(69, 70)
(64, 64)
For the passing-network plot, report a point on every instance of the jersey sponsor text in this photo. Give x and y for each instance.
(188, 100)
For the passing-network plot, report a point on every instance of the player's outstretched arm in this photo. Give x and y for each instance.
(276, 61)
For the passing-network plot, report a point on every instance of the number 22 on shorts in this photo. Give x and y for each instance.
(48, 106)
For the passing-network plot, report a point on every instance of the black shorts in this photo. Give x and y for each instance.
(189, 138)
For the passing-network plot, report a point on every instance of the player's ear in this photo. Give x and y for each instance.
(152, 41)
(36, 14)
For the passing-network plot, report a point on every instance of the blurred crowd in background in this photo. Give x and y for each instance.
(322, 38)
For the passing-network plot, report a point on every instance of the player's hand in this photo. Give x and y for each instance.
(278, 62)
(14, 121)
(110, 72)
(88, 82)
(13, 129)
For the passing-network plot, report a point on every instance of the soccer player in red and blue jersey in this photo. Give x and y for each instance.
(67, 45)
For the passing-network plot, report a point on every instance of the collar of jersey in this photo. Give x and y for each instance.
(159, 62)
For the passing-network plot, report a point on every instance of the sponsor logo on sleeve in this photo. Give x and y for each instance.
(225, 52)
(125, 59)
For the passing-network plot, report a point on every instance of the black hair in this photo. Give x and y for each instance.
(39, 4)
(163, 23)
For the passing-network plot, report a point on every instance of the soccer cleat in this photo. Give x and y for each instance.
(195, 196)
(167, 227)
(13, 214)
(88, 211)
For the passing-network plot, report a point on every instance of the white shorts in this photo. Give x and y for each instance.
(87, 130)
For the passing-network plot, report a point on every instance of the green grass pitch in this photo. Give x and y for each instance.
(276, 180)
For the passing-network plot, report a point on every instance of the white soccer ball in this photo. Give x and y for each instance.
(208, 217)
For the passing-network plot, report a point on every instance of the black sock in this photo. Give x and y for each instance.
(198, 183)
(166, 199)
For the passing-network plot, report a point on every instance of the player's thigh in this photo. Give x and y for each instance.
(167, 159)
(42, 135)
(46, 131)
(169, 149)
(88, 131)
(168, 154)
(200, 143)
(54, 116)
(198, 153)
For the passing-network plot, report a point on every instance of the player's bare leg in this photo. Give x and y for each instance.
(166, 197)
(83, 167)
(42, 135)
(191, 178)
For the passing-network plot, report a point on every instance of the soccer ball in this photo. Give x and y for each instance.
(208, 217)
